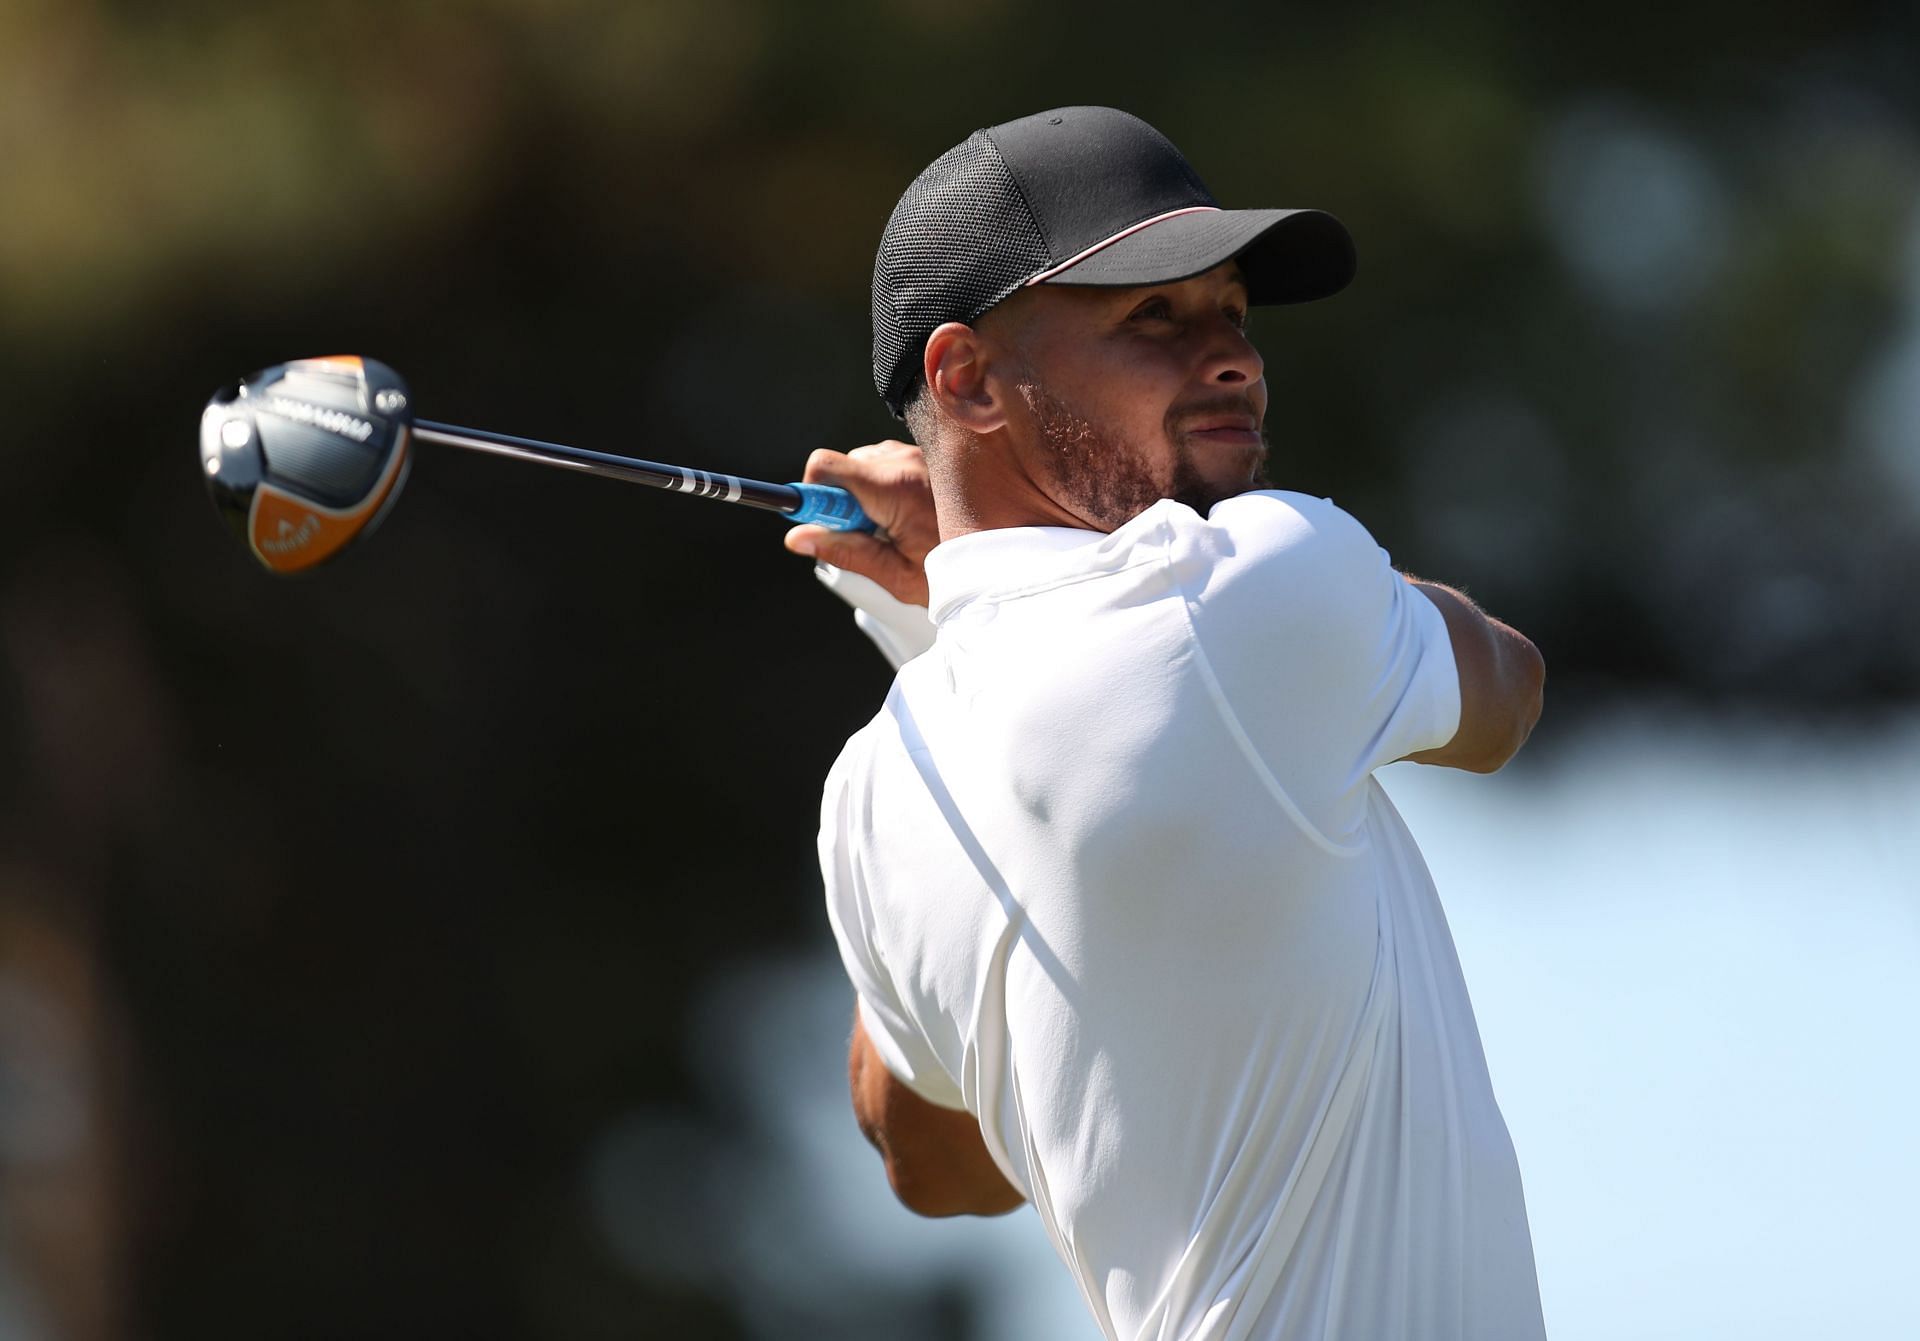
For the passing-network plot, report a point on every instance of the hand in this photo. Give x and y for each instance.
(890, 481)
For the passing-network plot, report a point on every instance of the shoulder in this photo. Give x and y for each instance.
(1300, 524)
(1273, 535)
(852, 766)
(874, 748)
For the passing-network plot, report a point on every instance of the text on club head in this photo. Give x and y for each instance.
(320, 416)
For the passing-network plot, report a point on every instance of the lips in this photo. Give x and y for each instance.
(1238, 430)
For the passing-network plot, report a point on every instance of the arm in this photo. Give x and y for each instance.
(1501, 676)
(936, 1160)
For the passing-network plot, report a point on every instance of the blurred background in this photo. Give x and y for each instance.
(433, 946)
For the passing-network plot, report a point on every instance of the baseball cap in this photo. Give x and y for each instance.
(1076, 195)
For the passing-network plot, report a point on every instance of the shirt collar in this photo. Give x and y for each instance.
(1011, 559)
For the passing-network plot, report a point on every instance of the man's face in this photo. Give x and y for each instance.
(1129, 396)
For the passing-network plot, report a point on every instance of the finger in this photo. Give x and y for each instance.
(876, 463)
(891, 449)
(804, 539)
(826, 466)
(853, 550)
(865, 555)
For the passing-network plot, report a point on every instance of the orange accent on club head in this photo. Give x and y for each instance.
(353, 361)
(290, 534)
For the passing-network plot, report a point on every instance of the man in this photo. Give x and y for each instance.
(1133, 932)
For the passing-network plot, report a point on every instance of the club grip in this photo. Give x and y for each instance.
(824, 505)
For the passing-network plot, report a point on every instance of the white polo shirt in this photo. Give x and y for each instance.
(1110, 871)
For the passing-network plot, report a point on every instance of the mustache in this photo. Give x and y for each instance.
(1181, 416)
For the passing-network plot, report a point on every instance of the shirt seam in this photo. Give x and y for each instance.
(1231, 720)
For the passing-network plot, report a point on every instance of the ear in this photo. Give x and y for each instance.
(956, 364)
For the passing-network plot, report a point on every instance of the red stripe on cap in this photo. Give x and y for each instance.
(1104, 243)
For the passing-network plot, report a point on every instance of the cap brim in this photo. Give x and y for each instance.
(1287, 256)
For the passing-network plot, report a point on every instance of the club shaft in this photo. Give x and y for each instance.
(701, 483)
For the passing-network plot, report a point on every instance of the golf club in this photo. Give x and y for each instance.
(304, 457)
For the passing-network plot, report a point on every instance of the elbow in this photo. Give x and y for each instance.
(1537, 685)
(1527, 671)
(931, 1197)
(1532, 671)
(939, 1194)
(918, 1200)
(935, 1158)
(912, 1186)
(1524, 671)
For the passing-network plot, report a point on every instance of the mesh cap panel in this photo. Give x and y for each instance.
(960, 240)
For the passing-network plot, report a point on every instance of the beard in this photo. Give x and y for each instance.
(1105, 478)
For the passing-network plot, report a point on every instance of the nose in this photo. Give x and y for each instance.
(1231, 359)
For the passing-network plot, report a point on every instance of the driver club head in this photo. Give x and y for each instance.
(304, 457)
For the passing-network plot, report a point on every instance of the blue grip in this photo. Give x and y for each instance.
(824, 505)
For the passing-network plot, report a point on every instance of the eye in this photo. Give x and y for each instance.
(1154, 309)
(1237, 315)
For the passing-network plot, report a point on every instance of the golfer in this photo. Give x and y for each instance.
(1133, 932)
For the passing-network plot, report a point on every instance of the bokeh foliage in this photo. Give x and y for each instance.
(396, 881)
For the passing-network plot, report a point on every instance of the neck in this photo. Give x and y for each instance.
(982, 485)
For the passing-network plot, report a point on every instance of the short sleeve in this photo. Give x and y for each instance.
(1332, 661)
(888, 1022)
(1408, 658)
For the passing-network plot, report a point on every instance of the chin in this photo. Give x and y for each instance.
(1200, 493)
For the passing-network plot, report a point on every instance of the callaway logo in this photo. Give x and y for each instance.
(334, 421)
(291, 537)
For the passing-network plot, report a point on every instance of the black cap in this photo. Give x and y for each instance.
(1078, 195)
